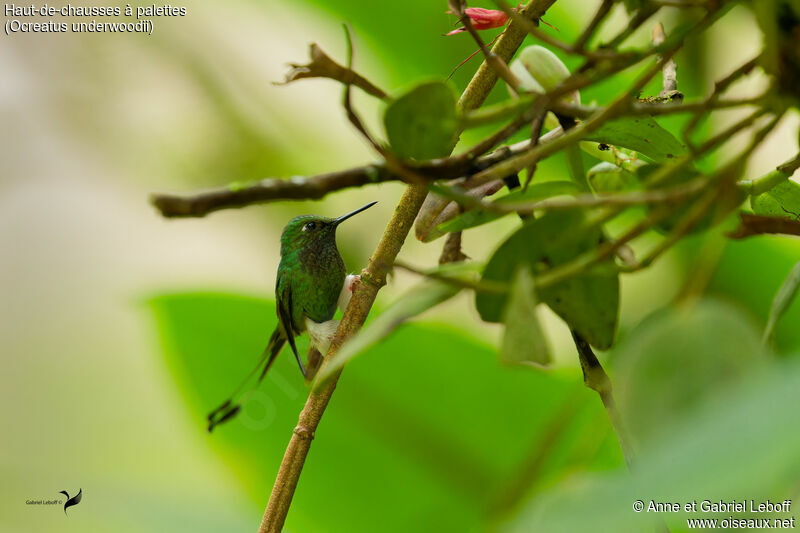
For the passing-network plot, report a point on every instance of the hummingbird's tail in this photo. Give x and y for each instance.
(231, 407)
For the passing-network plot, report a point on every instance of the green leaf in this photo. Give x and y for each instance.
(575, 166)
(534, 193)
(642, 134)
(589, 303)
(782, 201)
(782, 301)
(418, 299)
(423, 123)
(524, 340)
(606, 177)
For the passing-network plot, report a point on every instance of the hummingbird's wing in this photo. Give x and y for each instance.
(283, 296)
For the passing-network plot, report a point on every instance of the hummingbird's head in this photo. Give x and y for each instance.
(306, 230)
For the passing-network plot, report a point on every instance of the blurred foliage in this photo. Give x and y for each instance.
(428, 429)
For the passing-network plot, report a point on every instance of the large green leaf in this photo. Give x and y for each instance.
(727, 435)
(423, 123)
(423, 410)
(782, 201)
(739, 447)
(675, 359)
(769, 259)
(589, 302)
(782, 301)
(642, 134)
(523, 339)
(534, 193)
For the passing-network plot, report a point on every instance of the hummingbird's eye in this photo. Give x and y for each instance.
(310, 226)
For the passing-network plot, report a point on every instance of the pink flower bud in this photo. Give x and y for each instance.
(483, 19)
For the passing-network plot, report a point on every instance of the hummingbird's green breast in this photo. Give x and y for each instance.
(311, 272)
(320, 281)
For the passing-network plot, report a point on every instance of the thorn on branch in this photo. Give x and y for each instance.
(451, 251)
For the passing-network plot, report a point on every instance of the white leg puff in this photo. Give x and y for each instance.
(320, 334)
(347, 291)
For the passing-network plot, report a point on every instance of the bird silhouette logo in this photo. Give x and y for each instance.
(75, 500)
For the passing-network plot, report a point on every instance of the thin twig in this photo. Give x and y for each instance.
(347, 103)
(533, 29)
(493, 287)
(639, 17)
(719, 89)
(600, 15)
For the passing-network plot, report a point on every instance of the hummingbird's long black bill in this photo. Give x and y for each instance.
(337, 221)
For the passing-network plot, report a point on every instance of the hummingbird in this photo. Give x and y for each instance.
(311, 282)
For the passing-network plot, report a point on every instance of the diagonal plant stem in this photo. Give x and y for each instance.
(372, 279)
(596, 379)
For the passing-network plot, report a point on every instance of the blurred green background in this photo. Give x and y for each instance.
(119, 330)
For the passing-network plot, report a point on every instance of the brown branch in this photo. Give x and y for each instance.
(750, 225)
(719, 89)
(201, 203)
(267, 190)
(322, 66)
(372, 279)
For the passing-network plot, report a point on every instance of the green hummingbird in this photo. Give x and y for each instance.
(309, 286)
